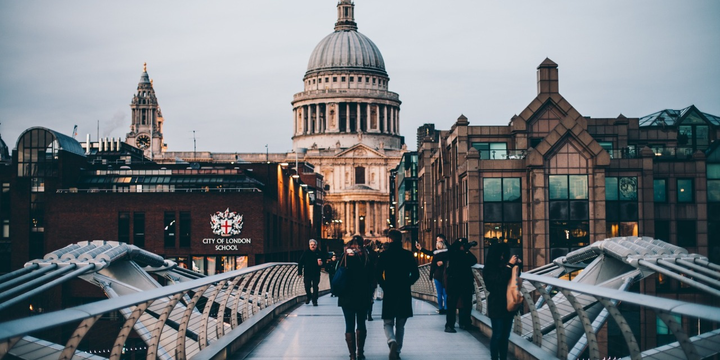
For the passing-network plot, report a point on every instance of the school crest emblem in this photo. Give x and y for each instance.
(227, 223)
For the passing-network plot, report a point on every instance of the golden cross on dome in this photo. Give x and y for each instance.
(144, 67)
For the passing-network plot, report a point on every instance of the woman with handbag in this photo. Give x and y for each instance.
(355, 296)
(497, 273)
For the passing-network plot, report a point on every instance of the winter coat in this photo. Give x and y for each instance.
(330, 267)
(309, 262)
(458, 273)
(396, 271)
(438, 271)
(360, 277)
(496, 281)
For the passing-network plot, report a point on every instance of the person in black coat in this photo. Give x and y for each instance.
(311, 261)
(356, 300)
(396, 271)
(330, 269)
(497, 274)
(373, 257)
(460, 285)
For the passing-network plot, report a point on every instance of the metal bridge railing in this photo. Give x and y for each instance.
(562, 318)
(179, 321)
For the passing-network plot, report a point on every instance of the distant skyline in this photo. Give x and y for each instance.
(228, 69)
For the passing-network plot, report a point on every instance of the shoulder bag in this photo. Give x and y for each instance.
(340, 282)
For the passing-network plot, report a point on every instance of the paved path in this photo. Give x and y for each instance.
(312, 332)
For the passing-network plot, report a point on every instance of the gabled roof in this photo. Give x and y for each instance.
(670, 117)
(348, 152)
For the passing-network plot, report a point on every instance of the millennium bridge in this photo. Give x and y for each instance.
(572, 306)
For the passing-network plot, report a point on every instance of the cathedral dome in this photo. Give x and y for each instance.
(346, 50)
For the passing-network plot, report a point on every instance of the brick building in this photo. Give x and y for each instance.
(208, 217)
(553, 180)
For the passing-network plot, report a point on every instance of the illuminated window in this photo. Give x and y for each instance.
(685, 192)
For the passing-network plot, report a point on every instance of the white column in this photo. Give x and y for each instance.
(397, 120)
(356, 225)
(327, 118)
(385, 119)
(295, 121)
(369, 117)
(357, 118)
(347, 117)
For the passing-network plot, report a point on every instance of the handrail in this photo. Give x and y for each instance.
(563, 324)
(170, 302)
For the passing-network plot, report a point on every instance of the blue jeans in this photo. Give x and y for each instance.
(351, 316)
(501, 328)
(441, 294)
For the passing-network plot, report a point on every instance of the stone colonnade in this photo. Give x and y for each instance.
(346, 117)
(365, 218)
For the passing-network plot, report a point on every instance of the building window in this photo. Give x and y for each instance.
(327, 79)
(502, 209)
(621, 206)
(491, 151)
(185, 229)
(124, 227)
(662, 230)
(686, 233)
(6, 229)
(367, 79)
(713, 182)
(352, 79)
(139, 229)
(5, 197)
(373, 80)
(660, 190)
(607, 146)
(319, 80)
(568, 211)
(359, 175)
(334, 78)
(342, 79)
(685, 192)
(169, 230)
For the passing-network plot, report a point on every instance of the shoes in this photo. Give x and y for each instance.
(393, 350)
(315, 304)
(369, 318)
(450, 329)
(307, 301)
(441, 311)
(469, 328)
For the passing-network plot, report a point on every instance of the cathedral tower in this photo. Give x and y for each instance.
(147, 121)
(347, 124)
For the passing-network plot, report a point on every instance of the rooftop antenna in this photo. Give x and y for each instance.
(98, 130)
(194, 145)
(267, 154)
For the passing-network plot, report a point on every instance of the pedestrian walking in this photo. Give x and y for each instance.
(373, 257)
(497, 274)
(356, 299)
(396, 271)
(309, 265)
(460, 285)
(330, 268)
(437, 270)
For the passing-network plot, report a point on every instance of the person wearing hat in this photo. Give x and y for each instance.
(459, 285)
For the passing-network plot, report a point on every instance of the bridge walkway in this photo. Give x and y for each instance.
(311, 332)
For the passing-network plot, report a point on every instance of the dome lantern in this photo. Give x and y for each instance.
(346, 16)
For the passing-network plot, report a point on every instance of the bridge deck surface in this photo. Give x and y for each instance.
(311, 332)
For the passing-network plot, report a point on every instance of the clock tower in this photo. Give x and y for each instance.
(147, 121)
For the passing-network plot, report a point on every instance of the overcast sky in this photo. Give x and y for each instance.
(229, 69)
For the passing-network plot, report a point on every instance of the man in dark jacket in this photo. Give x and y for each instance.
(396, 272)
(460, 285)
(311, 261)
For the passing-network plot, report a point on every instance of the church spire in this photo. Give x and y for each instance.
(346, 16)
